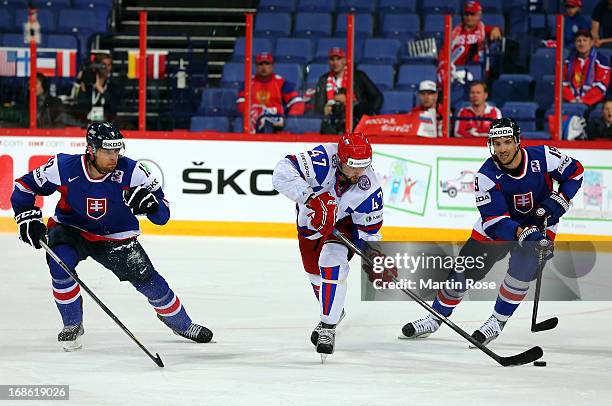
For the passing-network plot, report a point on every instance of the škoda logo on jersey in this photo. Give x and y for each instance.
(96, 208)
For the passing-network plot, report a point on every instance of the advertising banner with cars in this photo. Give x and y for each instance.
(425, 186)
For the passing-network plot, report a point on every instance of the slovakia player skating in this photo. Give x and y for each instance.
(514, 193)
(101, 194)
(334, 186)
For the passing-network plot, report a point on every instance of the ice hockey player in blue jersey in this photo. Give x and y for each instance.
(333, 186)
(514, 194)
(101, 193)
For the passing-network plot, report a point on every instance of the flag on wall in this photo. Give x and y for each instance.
(16, 62)
(156, 64)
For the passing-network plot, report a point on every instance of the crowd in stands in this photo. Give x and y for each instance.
(502, 61)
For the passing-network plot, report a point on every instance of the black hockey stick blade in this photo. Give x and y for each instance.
(523, 358)
(547, 324)
(158, 360)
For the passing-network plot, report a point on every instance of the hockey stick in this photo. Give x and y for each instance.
(74, 276)
(525, 357)
(547, 324)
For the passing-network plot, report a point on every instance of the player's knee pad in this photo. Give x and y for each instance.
(333, 263)
(68, 255)
(523, 265)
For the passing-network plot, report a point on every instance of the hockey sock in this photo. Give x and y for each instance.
(165, 302)
(334, 268)
(66, 292)
(315, 282)
(511, 293)
(447, 299)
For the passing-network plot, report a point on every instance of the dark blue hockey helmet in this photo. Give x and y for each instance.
(104, 135)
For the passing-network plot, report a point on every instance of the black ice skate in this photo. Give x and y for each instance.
(314, 336)
(194, 332)
(327, 340)
(420, 328)
(489, 331)
(69, 337)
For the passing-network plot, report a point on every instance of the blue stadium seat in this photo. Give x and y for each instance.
(39, 4)
(313, 25)
(292, 72)
(12, 40)
(410, 76)
(276, 6)
(552, 6)
(513, 87)
(314, 72)
(232, 75)
(605, 54)
(300, 125)
(259, 45)
(73, 20)
(218, 102)
(588, 6)
(272, 25)
(397, 6)
(544, 93)
(381, 75)
(6, 19)
(401, 26)
(523, 112)
(496, 20)
(316, 6)
(536, 135)
(440, 7)
(215, 123)
(92, 4)
(542, 62)
(294, 50)
(435, 22)
(364, 25)
(381, 51)
(396, 102)
(62, 41)
(325, 44)
(491, 6)
(11, 4)
(46, 18)
(356, 6)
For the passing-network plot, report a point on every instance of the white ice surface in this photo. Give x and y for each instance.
(255, 297)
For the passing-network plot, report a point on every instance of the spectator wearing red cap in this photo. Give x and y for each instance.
(330, 94)
(601, 27)
(271, 97)
(585, 75)
(574, 20)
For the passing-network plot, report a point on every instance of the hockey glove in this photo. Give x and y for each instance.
(381, 271)
(552, 207)
(532, 238)
(31, 227)
(323, 217)
(140, 200)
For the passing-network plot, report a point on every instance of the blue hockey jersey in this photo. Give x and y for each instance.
(94, 206)
(506, 202)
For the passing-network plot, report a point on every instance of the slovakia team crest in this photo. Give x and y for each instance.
(96, 208)
(523, 203)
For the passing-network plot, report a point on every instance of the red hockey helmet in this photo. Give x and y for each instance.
(355, 150)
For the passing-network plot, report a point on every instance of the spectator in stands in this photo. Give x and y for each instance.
(271, 95)
(574, 20)
(428, 106)
(468, 41)
(99, 94)
(481, 113)
(49, 109)
(330, 94)
(585, 77)
(601, 27)
(601, 128)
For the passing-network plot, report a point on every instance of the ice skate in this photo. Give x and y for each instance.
(194, 332)
(489, 331)
(420, 328)
(314, 336)
(70, 337)
(326, 342)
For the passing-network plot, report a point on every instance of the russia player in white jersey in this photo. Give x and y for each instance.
(334, 186)
(101, 191)
(514, 194)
